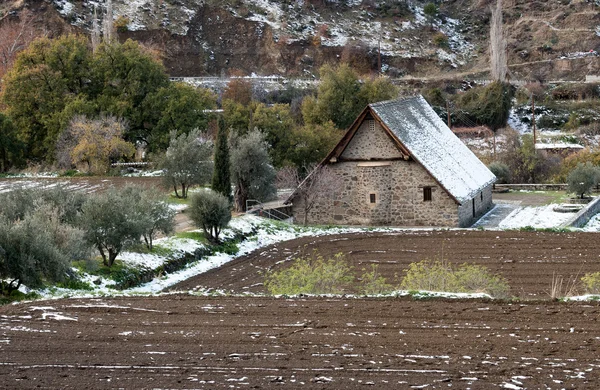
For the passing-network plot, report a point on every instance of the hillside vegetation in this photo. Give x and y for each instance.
(294, 38)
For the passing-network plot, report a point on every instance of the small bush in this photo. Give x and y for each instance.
(373, 283)
(591, 282)
(211, 211)
(122, 24)
(501, 171)
(581, 179)
(440, 40)
(438, 275)
(311, 275)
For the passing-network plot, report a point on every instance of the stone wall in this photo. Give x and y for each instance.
(483, 203)
(371, 142)
(397, 187)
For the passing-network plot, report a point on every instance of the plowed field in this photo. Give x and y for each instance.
(182, 341)
(528, 260)
(216, 343)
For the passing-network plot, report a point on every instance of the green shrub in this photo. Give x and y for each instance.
(581, 179)
(438, 275)
(75, 284)
(311, 275)
(373, 283)
(591, 282)
(501, 171)
(440, 40)
(211, 211)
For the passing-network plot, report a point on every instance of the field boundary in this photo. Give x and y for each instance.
(585, 214)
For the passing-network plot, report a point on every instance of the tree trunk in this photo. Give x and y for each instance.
(148, 240)
(183, 191)
(104, 260)
(241, 196)
(176, 193)
(112, 256)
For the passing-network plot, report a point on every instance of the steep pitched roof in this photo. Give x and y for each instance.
(432, 143)
(419, 132)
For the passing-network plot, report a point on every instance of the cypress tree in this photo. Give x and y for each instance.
(221, 180)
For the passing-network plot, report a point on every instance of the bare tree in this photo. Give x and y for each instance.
(16, 35)
(95, 31)
(108, 22)
(321, 183)
(499, 67)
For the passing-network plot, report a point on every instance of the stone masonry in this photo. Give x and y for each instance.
(382, 188)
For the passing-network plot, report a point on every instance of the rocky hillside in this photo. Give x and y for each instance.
(547, 39)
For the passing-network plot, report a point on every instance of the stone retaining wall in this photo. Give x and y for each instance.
(584, 215)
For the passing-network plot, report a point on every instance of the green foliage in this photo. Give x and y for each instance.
(437, 275)
(430, 10)
(528, 160)
(489, 105)
(111, 223)
(582, 179)
(251, 169)
(221, 180)
(37, 244)
(154, 216)
(341, 97)
(373, 283)
(10, 145)
(187, 161)
(179, 107)
(311, 275)
(54, 79)
(591, 282)
(211, 211)
(501, 171)
(45, 78)
(276, 123)
(126, 74)
(572, 161)
(309, 144)
(440, 40)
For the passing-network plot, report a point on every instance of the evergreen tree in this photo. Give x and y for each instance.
(221, 180)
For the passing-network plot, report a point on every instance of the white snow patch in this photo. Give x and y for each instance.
(536, 217)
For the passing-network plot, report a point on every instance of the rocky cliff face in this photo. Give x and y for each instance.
(549, 38)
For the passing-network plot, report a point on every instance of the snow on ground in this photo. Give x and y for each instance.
(536, 217)
(593, 224)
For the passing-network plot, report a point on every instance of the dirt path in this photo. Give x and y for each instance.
(217, 343)
(528, 260)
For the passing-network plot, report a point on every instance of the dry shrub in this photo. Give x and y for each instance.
(441, 276)
(311, 275)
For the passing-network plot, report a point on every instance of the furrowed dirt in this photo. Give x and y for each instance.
(528, 260)
(178, 341)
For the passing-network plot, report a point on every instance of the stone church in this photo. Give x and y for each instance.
(400, 165)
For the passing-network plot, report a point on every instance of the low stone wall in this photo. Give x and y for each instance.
(538, 187)
(585, 214)
(533, 187)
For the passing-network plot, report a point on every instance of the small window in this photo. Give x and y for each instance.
(373, 198)
(481, 196)
(426, 194)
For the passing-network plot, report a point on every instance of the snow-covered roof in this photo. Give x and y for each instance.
(431, 143)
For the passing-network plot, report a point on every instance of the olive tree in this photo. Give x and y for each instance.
(187, 161)
(251, 169)
(581, 179)
(111, 223)
(153, 215)
(38, 239)
(211, 211)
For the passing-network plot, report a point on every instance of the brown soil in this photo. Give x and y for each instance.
(213, 343)
(528, 260)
